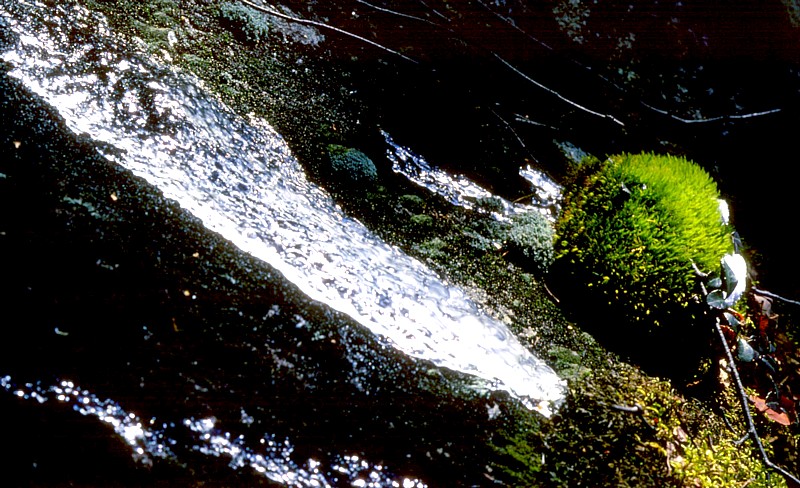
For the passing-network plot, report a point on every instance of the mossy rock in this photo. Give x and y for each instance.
(630, 228)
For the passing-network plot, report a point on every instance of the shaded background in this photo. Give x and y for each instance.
(717, 82)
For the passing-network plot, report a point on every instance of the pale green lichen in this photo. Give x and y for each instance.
(252, 24)
(531, 237)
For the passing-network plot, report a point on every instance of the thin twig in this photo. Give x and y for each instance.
(629, 408)
(711, 119)
(684, 120)
(772, 295)
(515, 26)
(271, 11)
(637, 410)
(560, 96)
(524, 119)
(444, 17)
(751, 427)
(399, 14)
(519, 139)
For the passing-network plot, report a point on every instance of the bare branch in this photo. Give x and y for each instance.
(560, 96)
(508, 126)
(526, 120)
(271, 11)
(444, 17)
(772, 295)
(743, 400)
(711, 119)
(511, 23)
(399, 14)
(515, 26)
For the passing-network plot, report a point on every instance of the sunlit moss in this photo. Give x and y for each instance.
(630, 229)
(725, 464)
(623, 428)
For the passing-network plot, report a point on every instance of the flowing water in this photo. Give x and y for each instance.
(149, 439)
(240, 179)
(463, 192)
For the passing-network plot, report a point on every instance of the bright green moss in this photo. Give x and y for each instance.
(625, 429)
(629, 231)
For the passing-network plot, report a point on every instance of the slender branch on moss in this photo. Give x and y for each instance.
(271, 11)
(637, 410)
(772, 295)
(751, 427)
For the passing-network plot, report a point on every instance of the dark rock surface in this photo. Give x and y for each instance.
(116, 288)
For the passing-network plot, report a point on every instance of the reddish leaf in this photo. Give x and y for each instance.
(763, 325)
(736, 314)
(759, 402)
(779, 417)
(787, 403)
(761, 405)
(730, 334)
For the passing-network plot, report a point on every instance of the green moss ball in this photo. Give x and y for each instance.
(350, 166)
(629, 230)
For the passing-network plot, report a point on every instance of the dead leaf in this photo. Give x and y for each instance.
(779, 417)
(761, 405)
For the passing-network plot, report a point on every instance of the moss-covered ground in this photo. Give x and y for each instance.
(619, 426)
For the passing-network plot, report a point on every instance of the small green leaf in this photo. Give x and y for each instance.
(716, 299)
(733, 322)
(745, 352)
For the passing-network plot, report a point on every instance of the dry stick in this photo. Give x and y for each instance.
(525, 120)
(615, 85)
(519, 139)
(444, 17)
(751, 427)
(574, 104)
(711, 119)
(562, 97)
(512, 24)
(274, 12)
(400, 14)
(772, 295)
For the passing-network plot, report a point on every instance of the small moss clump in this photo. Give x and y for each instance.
(530, 241)
(350, 166)
(421, 223)
(251, 24)
(630, 229)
